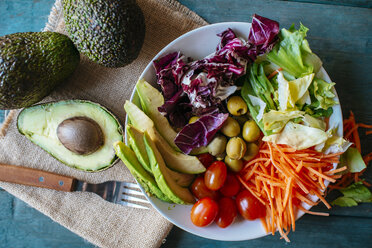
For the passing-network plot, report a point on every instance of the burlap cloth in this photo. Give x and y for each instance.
(101, 223)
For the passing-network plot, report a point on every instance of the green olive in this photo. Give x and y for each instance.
(252, 151)
(250, 132)
(193, 119)
(236, 106)
(230, 128)
(217, 145)
(236, 148)
(233, 164)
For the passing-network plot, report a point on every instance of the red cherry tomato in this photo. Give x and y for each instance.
(206, 159)
(226, 212)
(296, 201)
(249, 207)
(231, 186)
(199, 190)
(215, 175)
(204, 212)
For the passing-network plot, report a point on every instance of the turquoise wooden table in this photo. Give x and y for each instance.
(340, 33)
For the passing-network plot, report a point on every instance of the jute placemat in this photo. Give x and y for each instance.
(100, 222)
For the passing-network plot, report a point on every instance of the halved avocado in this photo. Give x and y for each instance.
(138, 146)
(165, 182)
(143, 177)
(78, 133)
(175, 160)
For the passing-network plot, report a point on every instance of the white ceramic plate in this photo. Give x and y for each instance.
(197, 44)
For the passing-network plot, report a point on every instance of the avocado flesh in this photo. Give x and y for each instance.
(175, 160)
(165, 182)
(39, 124)
(143, 177)
(151, 100)
(32, 64)
(137, 144)
(109, 32)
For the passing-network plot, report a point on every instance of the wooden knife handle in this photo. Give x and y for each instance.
(37, 178)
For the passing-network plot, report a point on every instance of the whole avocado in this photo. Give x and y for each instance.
(32, 64)
(109, 32)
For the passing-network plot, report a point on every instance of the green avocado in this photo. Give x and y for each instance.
(78, 133)
(32, 65)
(176, 161)
(165, 182)
(143, 177)
(109, 32)
(137, 144)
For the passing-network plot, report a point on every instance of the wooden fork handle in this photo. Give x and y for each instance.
(37, 178)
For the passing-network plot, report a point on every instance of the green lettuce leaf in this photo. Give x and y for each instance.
(289, 93)
(291, 52)
(322, 93)
(354, 194)
(353, 160)
(343, 201)
(276, 120)
(298, 136)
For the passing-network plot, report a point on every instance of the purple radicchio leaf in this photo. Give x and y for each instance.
(199, 133)
(263, 34)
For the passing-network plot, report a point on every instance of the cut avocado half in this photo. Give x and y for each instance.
(165, 182)
(176, 161)
(137, 144)
(78, 133)
(151, 99)
(143, 177)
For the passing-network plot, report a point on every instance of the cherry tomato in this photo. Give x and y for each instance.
(249, 207)
(296, 201)
(215, 175)
(199, 190)
(231, 186)
(206, 159)
(204, 212)
(226, 212)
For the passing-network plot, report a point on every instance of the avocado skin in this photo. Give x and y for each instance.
(32, 64)
(109, 32)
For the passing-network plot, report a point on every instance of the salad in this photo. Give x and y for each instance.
(244, 131)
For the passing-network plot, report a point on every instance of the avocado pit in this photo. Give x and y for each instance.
(80, 135)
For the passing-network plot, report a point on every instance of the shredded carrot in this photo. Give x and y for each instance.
(282, 175)
(274, 73)
(351, 133)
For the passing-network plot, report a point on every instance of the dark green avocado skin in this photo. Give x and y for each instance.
(108, 32)
(32, 64)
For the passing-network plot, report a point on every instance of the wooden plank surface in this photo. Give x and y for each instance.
(340, 33)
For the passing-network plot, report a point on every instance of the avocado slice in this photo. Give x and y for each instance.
(151, 100)
(110, 33)
(137, 144)
(165, 182)
(40, 123)
(176, 161)
(32, 64)
(143, 177)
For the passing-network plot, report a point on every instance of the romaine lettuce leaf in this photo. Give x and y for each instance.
(291, 51)
(259, 105)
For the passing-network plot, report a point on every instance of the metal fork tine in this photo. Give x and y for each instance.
(133, 205)
(131, 191)
(130, 185)
(132, 198)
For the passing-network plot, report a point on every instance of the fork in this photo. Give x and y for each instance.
(124, 193)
